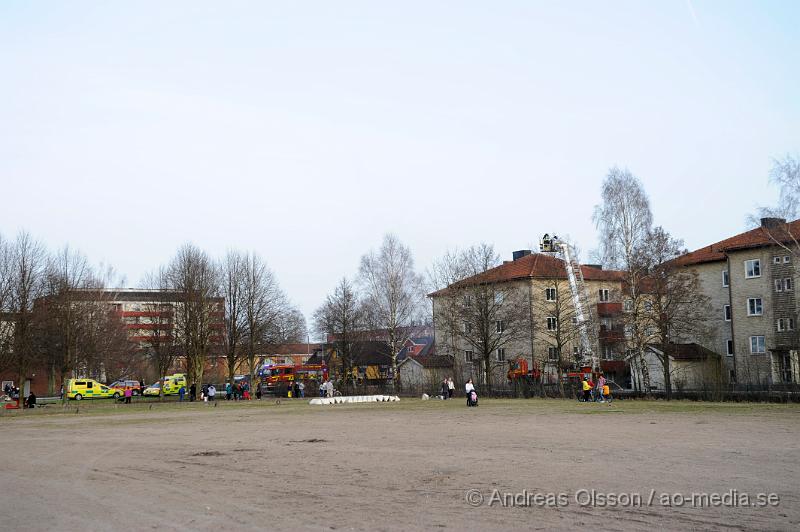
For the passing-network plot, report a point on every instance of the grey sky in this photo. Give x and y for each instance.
(306, 130)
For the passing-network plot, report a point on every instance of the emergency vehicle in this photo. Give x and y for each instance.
(276, 377)
(172, 384)
(79, 389)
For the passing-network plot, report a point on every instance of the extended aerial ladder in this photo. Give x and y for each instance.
(584, 315)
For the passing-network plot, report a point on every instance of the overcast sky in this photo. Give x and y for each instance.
(306, 130)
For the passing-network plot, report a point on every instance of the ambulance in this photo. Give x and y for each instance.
(172, 384)
(79, 389)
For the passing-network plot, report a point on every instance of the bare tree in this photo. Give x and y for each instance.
(28, 261)
(478, 313)
(234, 277)
(392, 292)
(676, 309)
(341, 319)
(65, 315)
(6, 315)
(195, 277)
(160, 348)
(624, 220)
(264, 307)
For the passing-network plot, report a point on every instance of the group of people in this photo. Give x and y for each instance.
(239, 391)
(448, 388)
(600, 392)
(326, 388)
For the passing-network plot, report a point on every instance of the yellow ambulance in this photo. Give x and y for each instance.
(172, 384)
(79, 389)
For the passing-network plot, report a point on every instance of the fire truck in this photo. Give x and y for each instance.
(519, 371)
(275, 378)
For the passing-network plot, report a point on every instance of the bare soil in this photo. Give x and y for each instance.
(395, 466)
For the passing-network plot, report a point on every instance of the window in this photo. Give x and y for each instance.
(467, 327)
(608, 352)
(501, 354)
(785, 324)
(752, 268)
(779, 285)
(725, 281)
(550, 294)
(603, 294)
(776, 260)
(730, 347)
(468, 356)
(727, 313)
(552, 354)
(552, 323)
(575, 351)
(787, 259)
(500, 325)
(754, 307)
(787, 284)
(467, 300)
(757, 345)
(648, 306)
(498, 298)
(574, 320)
(627, 305)
(89, 384)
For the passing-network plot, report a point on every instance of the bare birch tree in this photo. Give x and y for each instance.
(393, 292)
(624, 220)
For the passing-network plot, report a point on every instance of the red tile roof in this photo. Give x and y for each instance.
(758, 237)
(535, 266)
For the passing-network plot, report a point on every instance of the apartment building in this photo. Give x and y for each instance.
(537, 285)
(750, 280)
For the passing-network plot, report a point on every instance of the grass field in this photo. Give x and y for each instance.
(399, 466)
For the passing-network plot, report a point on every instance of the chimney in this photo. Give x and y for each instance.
(772, 223)
(521, 253)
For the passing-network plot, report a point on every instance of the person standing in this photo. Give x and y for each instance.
(228, 392)
(181, 392)
(587, 390)
(192, 392)
(451, 387)
(128, 394)
(445, 389)
(212, 392)
(301, 387)
(329, 388)
(601, 382)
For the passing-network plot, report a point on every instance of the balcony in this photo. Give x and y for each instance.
(609, 309)
(611, 334)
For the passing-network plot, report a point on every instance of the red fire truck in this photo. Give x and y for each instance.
(275, 378)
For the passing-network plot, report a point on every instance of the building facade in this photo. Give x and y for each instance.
(533, 288)
(750, 280)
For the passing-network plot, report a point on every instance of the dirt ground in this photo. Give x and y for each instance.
(399, 466)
